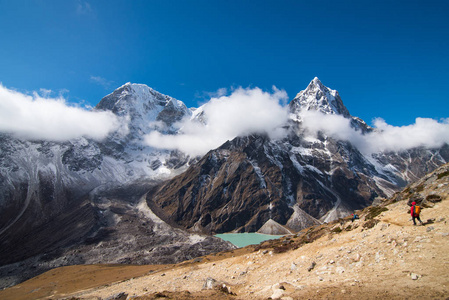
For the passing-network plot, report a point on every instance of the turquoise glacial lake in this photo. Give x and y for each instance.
(247, 238)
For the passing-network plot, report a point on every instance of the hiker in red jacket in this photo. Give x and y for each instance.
(415, 210)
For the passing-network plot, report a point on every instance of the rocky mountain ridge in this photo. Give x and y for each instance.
(296, 181)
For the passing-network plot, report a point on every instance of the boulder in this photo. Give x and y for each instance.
(119, 296)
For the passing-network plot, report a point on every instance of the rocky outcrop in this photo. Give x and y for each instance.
(300, 219)
(273, 228)
(247, 181)
(224, 191)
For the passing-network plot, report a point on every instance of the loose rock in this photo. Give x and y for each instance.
(226, 289)
(210, 283)
(277, 293)
(293, 267)
(119, 296)
(310, 268)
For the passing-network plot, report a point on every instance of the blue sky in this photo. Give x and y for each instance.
(387, 59)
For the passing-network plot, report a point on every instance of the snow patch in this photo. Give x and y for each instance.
(195, 238)
(259, 174)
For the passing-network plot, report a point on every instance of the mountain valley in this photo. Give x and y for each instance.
(379, 255)
(121, 201)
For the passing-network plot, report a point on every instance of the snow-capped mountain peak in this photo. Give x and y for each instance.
(132, 97)
(319, 97)
(316, 84)
(144, 105)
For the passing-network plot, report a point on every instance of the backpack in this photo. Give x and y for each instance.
(416, 210)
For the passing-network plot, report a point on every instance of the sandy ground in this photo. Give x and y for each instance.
(392, 260)
(373, 263)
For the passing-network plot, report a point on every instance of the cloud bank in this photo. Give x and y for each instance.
(424, 132)
(248, 111)
(243, 112)
(42, 118)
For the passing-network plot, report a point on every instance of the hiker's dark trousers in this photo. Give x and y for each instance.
(414, 222)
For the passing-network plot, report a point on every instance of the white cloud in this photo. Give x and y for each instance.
(219, 93)
(206, 96)
(248, 111)
(45, 92)
(101, 81)
(243, 112)
(424, 132)
(83, 8)
(42, 118)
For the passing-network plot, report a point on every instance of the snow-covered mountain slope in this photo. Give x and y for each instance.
(146, 108)
(83, 166)
(52, 193)
(318, 97)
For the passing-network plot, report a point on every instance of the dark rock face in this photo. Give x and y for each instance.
(112, 227)
(170, 114)
(250, 180)
(222, 192)
(82, 159)
(415, 163)
(19, 242)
